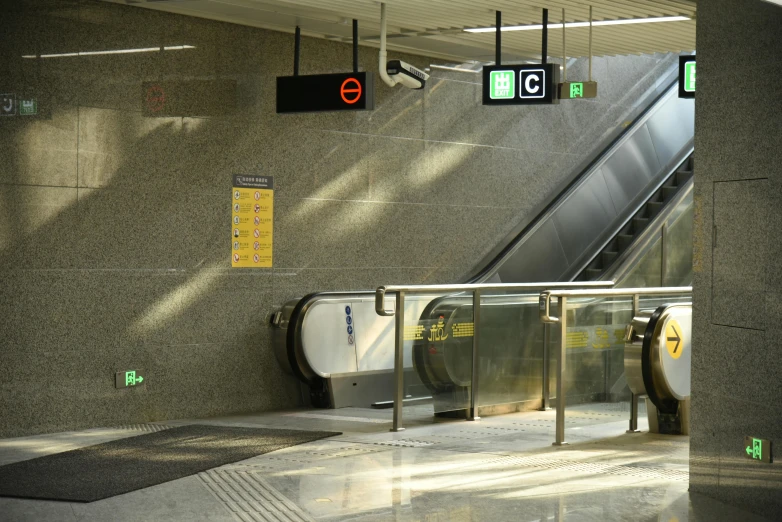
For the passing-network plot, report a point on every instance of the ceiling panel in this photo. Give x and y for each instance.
(436, 27)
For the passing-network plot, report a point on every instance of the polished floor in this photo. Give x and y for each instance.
(499, 468)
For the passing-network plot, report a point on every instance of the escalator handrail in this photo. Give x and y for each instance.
(569, 188)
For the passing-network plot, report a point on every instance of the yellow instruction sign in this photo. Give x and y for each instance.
(673, 339)
(252, 221)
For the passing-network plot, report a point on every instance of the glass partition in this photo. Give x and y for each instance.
(594, 371)
(677, 262)
(510, 351)
(440, 338)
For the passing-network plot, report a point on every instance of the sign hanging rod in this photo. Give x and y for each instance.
(498, 40)
(296, 51)
(544, 44)
(355, 45)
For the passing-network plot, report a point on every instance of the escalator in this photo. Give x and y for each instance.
(343, 352)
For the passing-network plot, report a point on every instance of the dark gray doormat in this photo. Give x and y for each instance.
(120, 466)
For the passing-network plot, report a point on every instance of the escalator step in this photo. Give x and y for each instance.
(624, 241)
(592, 273)
(608, 258)
(668, 192)
(656, 197)
(683, 177)
(639, 224)
(654, 207)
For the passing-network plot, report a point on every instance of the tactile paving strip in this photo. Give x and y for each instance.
(250, 498)
(144, 427)
(574, 466)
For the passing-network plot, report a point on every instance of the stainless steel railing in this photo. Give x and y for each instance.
(476, 290)
(562, 308)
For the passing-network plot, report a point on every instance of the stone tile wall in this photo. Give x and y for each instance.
(737, 362)
(114, 252)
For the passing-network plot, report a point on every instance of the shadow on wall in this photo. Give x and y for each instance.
(114, 227)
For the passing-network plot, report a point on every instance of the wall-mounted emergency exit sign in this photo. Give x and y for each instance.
(686, 77)
(758, 449)
(128, 379)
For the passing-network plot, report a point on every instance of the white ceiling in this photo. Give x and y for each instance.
(435, 27)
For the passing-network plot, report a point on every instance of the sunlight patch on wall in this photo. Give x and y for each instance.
(176, 303)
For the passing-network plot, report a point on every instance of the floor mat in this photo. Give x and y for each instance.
(120, 466)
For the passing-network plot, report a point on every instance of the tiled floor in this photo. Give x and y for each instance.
(499, 468)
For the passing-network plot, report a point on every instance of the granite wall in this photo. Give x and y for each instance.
(114, 226)
(737, 322)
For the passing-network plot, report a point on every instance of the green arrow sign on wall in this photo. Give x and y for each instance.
(127, 379)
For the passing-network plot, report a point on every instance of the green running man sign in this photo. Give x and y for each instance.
(502, 85)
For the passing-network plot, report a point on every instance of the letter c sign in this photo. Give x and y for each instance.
(533, 83)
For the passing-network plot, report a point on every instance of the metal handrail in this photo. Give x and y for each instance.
(562, 297)
(475, 289)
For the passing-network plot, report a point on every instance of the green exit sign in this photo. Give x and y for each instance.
(128, 379)
(758, 449)
(687, 76)
(28, 107)
(576, 90)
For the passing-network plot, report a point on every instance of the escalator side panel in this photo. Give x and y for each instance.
(539, 257)
(588, 213)
(630, 169)
(671, 126)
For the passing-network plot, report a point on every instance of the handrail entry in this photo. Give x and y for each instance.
(380, 303)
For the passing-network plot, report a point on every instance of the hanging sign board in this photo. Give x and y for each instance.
(325, 92)
(686, 77)
(529, 84)
(576, 90)
(252, 220)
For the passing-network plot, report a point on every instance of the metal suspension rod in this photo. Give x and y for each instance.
(498, 40)
(355, 45)
(296, 51)
(564, 55)
(590, 43)
(544, 44)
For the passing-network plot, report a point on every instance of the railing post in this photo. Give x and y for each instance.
(560, 425)
(545, 400)
(634, 397)
(633, 414)
(399, 360)
(476, 319)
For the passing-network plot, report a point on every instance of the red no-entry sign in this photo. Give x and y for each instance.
(350, 91)
(325, 92)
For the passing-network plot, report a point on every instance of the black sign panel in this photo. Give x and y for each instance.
(528, 84)
(686, 77)
(259, 182)
(188, 98)
(326, 92)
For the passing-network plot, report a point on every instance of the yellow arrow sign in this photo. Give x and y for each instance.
(673, 339)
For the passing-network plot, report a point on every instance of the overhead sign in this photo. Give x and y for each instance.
(325, 92)
(758, 449)
(686, 77)
(575, 90)
(128, 379)
(528, 84)
(252, 221)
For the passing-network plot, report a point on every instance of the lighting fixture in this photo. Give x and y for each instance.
(117, 51)
(534, 27)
